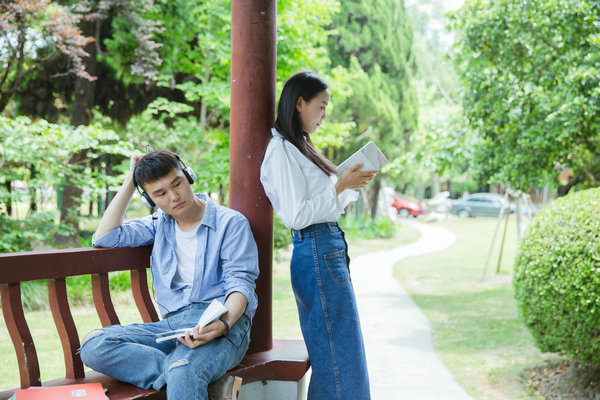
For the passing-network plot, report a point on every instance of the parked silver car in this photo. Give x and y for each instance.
(480, 205)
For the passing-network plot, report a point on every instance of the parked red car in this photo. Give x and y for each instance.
(406, 208)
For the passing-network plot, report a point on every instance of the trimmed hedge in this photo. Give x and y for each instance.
(557, 277)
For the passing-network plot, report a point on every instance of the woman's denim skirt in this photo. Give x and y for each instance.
(328, 314)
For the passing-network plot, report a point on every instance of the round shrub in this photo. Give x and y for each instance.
(557, 276)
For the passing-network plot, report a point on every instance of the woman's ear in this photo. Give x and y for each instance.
(300, 104)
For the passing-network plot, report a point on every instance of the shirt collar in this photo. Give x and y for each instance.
(275, 133)
(210, 211)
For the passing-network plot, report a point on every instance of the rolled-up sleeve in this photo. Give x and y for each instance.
(347, 197)
(137, 232)
(239, 258)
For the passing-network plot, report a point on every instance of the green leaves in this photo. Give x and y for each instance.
(372, 43)
(366, 227)
(37, 155)
(531, 71)
(302, 30)
(32, 32)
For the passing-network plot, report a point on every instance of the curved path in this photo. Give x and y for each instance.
(400, 355)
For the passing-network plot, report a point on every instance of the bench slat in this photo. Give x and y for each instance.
(102, 301)
(12, 308)
(65, 326)
(141, 295)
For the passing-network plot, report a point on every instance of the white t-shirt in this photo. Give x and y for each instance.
(185, 251)
(300, 192)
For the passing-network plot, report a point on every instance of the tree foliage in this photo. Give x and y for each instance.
(441, 144)
(36, 154)
(372, 42)
(162, 71)
(531, 71)
(32, 31)
(130, 45)
(311, 53)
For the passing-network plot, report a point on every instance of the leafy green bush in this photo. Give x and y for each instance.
(365, 227)
(557, 276)
(281, 234)
(79, 288)
(368, 228)
(24, 235)
(34, 294)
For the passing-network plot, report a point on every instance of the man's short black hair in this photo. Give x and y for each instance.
(153, 166)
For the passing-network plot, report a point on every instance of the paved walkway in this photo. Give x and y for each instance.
(400, 355)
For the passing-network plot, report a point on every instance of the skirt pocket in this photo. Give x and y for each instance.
(338, 267)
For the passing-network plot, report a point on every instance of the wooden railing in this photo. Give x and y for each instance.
(286, 361)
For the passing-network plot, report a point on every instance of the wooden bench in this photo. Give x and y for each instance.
(286, 361)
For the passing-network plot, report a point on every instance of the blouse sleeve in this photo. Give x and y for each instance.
(285, 185)
(347, 197)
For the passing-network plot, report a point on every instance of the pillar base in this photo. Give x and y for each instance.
(275, 390)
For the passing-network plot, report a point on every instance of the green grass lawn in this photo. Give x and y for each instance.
(476, 329)
(285, 316)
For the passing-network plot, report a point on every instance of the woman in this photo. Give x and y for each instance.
(306, 194)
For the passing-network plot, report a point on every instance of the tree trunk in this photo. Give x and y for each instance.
(435, 185)
(81, 114)
(203, 108)
(71, 202)
(222, 195)
(108, 194)
(32, 191)
(8, 186)
(374, 197)
(4, 99)
(563, 190)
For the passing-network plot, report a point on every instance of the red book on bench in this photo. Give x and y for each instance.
(86, 391)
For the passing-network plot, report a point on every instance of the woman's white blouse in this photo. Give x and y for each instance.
(300, 192)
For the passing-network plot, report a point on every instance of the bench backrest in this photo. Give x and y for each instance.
(55, 266)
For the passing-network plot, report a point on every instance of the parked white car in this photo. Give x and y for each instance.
(480, 205)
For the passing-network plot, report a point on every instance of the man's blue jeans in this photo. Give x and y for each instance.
(130, 354)
(328, 314)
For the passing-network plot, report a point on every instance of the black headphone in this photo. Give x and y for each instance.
(145, 198)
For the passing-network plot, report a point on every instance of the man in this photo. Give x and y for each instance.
(201, 251)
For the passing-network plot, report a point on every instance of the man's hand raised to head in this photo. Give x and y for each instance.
(115, 212)
(133, 162)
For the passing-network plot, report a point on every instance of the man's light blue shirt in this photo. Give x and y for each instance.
(226, 258)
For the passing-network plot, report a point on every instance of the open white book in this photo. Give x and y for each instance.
(214, 310)
(370, 155)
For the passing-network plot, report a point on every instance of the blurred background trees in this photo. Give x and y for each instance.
(530, 72)
(143, 72)
(508, 97)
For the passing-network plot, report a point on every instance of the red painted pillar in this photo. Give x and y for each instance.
(253, 71)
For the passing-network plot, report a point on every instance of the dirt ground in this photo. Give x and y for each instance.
(568, 380)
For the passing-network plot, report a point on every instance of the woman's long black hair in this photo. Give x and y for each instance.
(306, 85)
